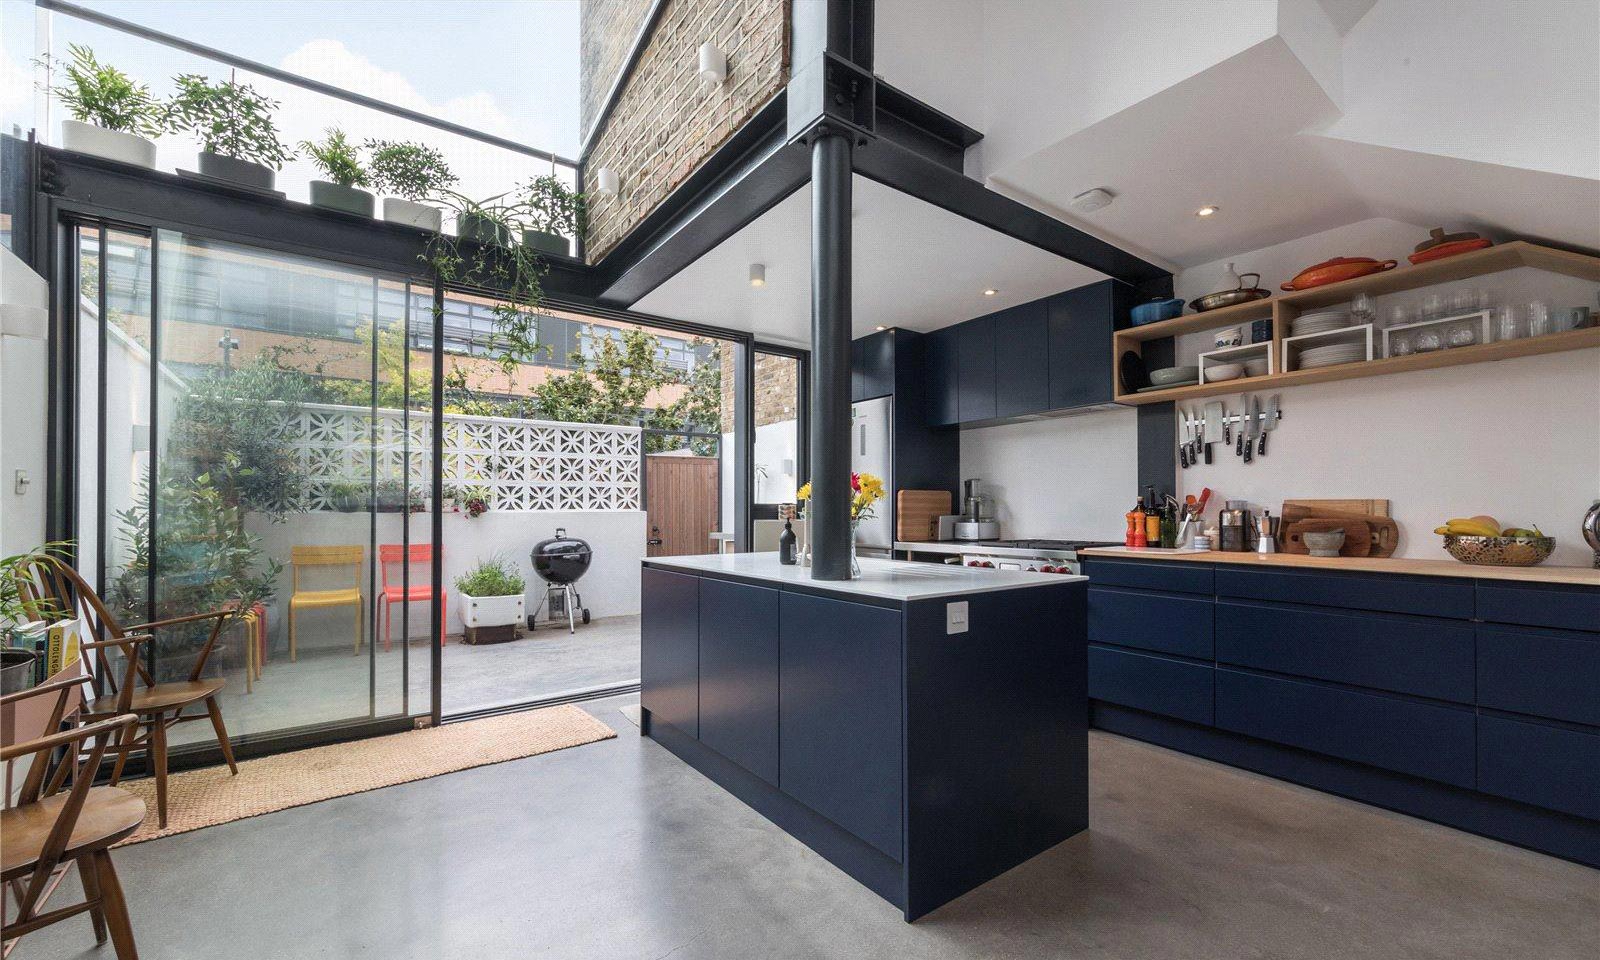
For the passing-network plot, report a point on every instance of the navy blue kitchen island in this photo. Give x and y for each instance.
(923, 728)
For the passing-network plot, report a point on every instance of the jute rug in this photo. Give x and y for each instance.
(205, 798)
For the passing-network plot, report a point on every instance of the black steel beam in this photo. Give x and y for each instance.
(919, 127)
(829, 522)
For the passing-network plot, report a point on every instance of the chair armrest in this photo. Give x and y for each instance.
(65, 737)
(127, 641)
(50, 687)
(174, 621)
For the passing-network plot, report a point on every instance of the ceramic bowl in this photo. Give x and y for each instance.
(1255, 368)
(1231, 337)
(1324, 544)
(1166, 375)
(1218, 372)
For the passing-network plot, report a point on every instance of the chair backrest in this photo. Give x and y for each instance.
(336, 556)
(390, 553)
(53, 590)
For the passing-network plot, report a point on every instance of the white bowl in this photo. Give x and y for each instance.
(1255, 368)
(1218, 372)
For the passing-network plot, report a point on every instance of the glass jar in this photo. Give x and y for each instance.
(1508, 323)
(1429, 339)
(1402, 344)
(1539, 322)
(1463, 334)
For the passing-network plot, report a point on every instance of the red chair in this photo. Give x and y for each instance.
(392, 593)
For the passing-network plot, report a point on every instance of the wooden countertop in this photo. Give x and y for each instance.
(1582, 576)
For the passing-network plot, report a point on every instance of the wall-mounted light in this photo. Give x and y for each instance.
(606, 183)
(758, 274)
(713, 65)
(1209, 210)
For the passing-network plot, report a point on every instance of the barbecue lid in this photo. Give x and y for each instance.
(561, 545)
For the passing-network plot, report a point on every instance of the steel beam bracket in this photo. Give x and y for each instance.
(834, 96)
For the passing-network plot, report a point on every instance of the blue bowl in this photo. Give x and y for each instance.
(1156, 310)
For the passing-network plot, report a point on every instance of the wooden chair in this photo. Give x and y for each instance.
(393, 593)
(48, 584)
(50, 827)
(302, 557)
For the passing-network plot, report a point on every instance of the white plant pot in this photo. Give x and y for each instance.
(397, 210)
(491, 611)
(81, 137)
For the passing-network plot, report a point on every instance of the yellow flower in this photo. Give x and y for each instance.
(804, 493)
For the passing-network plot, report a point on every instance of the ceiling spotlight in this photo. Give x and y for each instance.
(1091, 200)
(606, 183)
(990, 292)
(880, 327)
(758, 274)
(713, 64)
(1207, 211)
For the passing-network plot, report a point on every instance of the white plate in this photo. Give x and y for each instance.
(1338, 349)
(1320, 326)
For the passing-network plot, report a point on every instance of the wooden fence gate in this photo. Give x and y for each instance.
(681, 496)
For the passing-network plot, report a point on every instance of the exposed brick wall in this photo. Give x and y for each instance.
(606, 29)
(665, 123)
(777, 388)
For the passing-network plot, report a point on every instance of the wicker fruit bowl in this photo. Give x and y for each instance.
(1500, 551)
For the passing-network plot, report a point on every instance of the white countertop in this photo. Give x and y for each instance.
(958, 547)
(890, 579)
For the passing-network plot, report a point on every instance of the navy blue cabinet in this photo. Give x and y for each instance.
(975, 369)
(669, 648)
(739, 674)
(1080, 325)
(1553, 767)
(1164, 685)
(840, 714)
(1561, 606)
(943, 397)
(877, 364)
(1542, 673)
(1163, 622)
(1021, 360)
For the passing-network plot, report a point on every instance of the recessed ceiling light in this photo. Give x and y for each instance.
(1207, 210)
(880, 327)
(990, 292)
(758, 274)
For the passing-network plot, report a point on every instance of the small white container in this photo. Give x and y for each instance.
(412, 214)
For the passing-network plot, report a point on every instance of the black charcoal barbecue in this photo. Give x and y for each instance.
(560, 562)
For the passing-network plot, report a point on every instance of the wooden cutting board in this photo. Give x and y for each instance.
(1357, 536)
(1321, 508)
(1384, 533)
(917, 513)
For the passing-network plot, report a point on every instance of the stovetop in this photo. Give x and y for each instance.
(1044, 544)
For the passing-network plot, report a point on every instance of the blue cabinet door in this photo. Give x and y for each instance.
(877, 364)
(1544, 673)
(1164, 685)
(739, 674)
(1163, 622)
(1021, 360)
(1562, 606)
(1379, 592)
(1535, 763)
(840, 714)
(1080, 323)
(941, 384)
(858, 371)
(975, 369)
(669, 648)
(1188, 576)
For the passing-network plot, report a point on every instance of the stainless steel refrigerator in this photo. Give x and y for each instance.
(872, 451)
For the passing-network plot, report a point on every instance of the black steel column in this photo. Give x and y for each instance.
(830, 355)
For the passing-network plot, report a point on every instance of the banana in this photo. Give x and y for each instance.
(1470, 527)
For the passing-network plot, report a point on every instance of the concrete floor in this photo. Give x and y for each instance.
(328, 683)
(618, 850)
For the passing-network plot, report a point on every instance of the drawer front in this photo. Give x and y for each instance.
(1546, 766)
(669, 648)
(1183, 576)
(1539, 605)
(1173, 688)
(1540, 672)
(1424, 657)
(1385, 593)
(1424, 740)
(1165, 623)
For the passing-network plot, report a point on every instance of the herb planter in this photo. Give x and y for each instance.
(478, 612)
(81, 137)
(333, 196)
(473, 226)
(412, 214)
(243, 172)
(547, 242)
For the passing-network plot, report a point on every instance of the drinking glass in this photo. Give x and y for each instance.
(1539, 318)
(1402, 344)
(1362, 309)
(1399, 316)
(1463, 334)
(1508, 323)
(1429, 340)
(1433, 306)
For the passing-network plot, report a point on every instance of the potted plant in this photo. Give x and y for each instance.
(491, 595)
(414, 172)
(112, 116)
(486, 221)
(347, 497)
(337, 158)
(238, 140)
(17, 635)
(477, 501)
(554, 214)
(390, 496)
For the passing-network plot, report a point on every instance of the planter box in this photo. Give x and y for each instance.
(491, 611)
(412, 214)
(471, 226)
(500, 634)
(81, 137)
(547, 242)
(341, 198)
(242, 172)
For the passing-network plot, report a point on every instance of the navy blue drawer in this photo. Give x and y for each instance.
(1166, 623)
(1546, 766)
(1184, 576)
(1540, 672)
(1421, 739)
(1425, 657)
(1385, 593)
(1173, 688)
(1560, 606)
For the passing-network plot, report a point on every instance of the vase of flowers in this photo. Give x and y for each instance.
(865, 492)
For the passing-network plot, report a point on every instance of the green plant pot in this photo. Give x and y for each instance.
(473, 226)
(336, 197)
(547, 242)
(244, 172)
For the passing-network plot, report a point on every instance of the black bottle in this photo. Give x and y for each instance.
(786, 544)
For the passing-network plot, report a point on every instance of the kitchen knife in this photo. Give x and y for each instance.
(1183, 440)
(1244, 410)
(1213, 427)
(1269, 422)
(1255, 428)
(1227, 428)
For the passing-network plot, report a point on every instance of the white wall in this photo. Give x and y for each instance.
(23, 367)
(1069, 478)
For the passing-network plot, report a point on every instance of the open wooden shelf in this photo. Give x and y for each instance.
(1283, 309)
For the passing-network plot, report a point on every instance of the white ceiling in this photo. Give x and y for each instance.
(916, 266)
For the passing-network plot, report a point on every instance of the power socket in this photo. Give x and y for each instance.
(955, 617)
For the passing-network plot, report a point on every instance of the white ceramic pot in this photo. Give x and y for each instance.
(397, 210)
(491, 611)
(81, 137)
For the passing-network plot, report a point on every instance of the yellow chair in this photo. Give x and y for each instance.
(352, 557)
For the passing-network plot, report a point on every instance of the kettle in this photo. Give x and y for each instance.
(1591, 531)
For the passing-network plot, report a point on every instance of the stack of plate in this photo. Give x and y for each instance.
(1319, 322)
(1333, 353)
